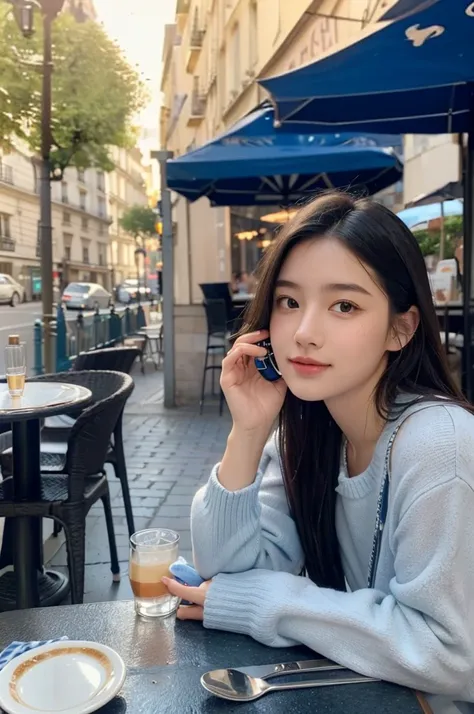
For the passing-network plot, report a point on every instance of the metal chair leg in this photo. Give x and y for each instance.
(114, 563)
(203, 388)
(75, 530)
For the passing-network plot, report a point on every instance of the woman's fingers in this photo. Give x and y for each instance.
(185, 592)
(243, 350)
(252, 337)
(190, 612)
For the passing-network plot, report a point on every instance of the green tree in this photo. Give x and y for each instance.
(139, 221)
(429, 241)
(96, 93)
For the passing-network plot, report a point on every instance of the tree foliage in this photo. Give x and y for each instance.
(139, 221)
(429, 241)
(96, 93)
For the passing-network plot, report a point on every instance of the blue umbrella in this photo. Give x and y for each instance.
(404, 8)
(422, 214)
(414, 75)
(254, 164)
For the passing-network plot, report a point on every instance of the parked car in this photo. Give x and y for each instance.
(129, 289)
(86, 296)
(11, 292)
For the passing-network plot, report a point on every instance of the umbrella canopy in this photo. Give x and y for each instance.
(403, 8)
(414, 75)
(424, 213)
(252, 163)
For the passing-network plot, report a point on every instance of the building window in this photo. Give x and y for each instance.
(64, 196)
(83, 199)
(102, 208)
(67, 242)
(85, 253)
(6, 173)
(5, 231)
(253, 34)
(81, 175)
(66, 218)
(101, 253)
(101, 181)
(235, 67)
(85, 224)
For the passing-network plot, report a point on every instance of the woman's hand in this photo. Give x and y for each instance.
(197, 596)
(253, 401)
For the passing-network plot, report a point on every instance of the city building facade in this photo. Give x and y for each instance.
(126, 187)
(88, 243)
(212, 55)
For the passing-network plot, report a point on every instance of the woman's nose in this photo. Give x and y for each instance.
(310, 332)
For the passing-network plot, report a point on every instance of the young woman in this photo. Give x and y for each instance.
(353, 532)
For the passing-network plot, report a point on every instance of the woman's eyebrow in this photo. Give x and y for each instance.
(329, 287)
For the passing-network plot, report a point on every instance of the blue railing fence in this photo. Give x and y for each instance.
(91, 331)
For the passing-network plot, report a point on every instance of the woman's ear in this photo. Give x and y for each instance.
(403, 328)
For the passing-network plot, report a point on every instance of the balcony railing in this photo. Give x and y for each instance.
(6, 174)
(7, 243)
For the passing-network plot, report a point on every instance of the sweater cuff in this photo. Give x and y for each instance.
(243, 603)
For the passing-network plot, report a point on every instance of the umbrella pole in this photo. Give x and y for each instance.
(468, 181)
(442, 237)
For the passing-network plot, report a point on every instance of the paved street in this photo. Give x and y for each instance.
(169, 456)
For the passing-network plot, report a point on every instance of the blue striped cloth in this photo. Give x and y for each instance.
(15, 649)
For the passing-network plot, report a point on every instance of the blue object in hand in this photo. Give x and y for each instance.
(267, 365)
(186, 575)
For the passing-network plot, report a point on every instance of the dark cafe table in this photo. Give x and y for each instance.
(29, 583)
(166, 658)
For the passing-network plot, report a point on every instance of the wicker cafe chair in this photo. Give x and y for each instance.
(56, 429)
(72, 482)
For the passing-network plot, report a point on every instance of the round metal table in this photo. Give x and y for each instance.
(29, 584)
(165, 660)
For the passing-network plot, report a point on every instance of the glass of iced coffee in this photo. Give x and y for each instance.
(152, 552)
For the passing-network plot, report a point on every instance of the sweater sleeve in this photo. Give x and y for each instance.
(236, 531)
(420, 633)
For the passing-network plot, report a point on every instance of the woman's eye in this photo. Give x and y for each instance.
(287, 302)
(344, 307)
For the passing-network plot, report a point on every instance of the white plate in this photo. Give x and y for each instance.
(67, 677)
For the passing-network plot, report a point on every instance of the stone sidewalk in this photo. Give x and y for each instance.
(169, 455)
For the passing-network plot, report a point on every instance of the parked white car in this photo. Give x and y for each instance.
(11, 292)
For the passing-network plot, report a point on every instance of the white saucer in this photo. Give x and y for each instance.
(67, 677)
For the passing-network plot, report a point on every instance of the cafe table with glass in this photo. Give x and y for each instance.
(24, 582)
(137, 658)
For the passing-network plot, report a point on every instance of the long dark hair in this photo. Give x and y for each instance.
(309, 438)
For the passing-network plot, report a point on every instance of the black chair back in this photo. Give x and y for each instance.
(216, 317)
(90, 436)
(117, 359)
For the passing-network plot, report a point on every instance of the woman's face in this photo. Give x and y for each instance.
(330, 326)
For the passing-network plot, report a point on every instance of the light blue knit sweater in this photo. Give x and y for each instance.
(416, 627)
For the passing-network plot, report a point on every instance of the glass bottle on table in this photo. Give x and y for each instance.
(15, 366)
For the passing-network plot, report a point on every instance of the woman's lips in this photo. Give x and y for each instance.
(308, 369)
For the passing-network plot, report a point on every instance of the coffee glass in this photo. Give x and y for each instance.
(152, 551)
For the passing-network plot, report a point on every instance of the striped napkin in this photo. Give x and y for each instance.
(15, 649)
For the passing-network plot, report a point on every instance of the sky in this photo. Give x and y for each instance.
(138, 27)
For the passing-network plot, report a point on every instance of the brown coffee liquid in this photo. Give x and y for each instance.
(146, 579)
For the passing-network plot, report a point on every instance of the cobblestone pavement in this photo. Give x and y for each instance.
(169, 455)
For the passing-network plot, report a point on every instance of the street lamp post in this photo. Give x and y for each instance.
(24, 14)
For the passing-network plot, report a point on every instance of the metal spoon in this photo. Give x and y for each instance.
(238, 686)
